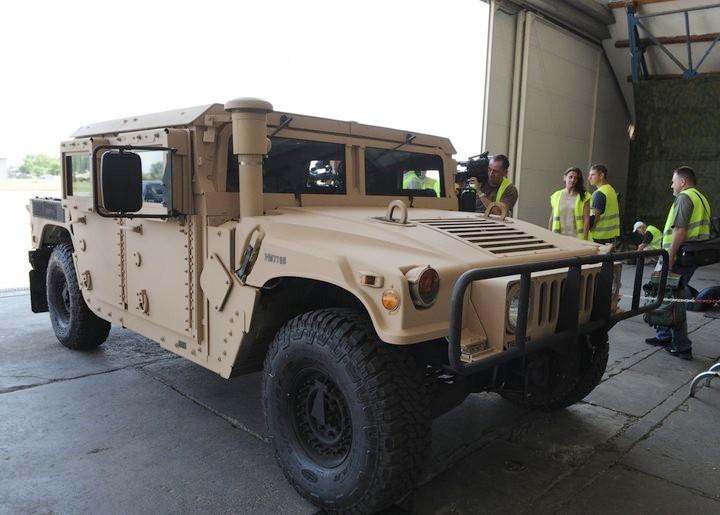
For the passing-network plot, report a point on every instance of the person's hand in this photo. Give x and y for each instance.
(472, 181)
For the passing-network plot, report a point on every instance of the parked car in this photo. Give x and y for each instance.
(153, 191)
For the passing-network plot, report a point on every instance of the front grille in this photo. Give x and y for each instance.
(490, 235)
(49, 208)
(549, 290)
(545, 295)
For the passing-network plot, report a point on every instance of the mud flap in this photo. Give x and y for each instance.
(38, 287)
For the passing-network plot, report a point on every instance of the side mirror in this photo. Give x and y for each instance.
(134, 181)
(121, 182)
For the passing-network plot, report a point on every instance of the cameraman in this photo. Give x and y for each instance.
(498, 187)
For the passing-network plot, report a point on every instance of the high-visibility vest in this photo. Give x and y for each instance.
(579, 218)
(426, 183)
(609, 225)
(501, 190)
(657, 237)
(408, 179)
(699, 225)
(430, 183)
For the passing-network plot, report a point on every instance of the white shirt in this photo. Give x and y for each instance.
(567, 214)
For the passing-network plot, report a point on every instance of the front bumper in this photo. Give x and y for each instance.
(568, 327)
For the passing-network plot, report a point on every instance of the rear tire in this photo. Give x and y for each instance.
(75, 326)
(696, 307)
(348, 414)
(561, 380)
(709, 293)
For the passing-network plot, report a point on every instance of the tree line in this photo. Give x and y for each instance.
(38, 165)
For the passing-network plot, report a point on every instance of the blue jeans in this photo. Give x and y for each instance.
(679, 334)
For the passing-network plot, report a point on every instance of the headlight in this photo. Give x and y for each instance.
(424, 285)
(513, 308)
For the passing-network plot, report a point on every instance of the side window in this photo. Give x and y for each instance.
(155, 176)
(77, 175)
(297, 166)
(397, 172)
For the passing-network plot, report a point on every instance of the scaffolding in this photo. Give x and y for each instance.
(638, 46)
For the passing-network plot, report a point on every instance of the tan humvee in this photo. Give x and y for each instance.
(240, 237)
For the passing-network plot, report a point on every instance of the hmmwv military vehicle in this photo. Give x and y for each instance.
(245, 239)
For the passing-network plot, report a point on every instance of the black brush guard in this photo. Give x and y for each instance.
(567, 326)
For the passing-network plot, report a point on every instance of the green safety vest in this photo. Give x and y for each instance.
(501, 190)
(657, 237)
(579, 219)
(699, 225)
(609, 226)
(426, 183)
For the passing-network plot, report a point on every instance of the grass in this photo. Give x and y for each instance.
(30, 184)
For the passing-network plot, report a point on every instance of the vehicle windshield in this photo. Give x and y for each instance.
(297, 166)
(304, 166)
(398, 172)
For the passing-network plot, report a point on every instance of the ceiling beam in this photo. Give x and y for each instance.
(669, 40)
(671, 76)
(595, 10)
(573, 14)
(635, 3)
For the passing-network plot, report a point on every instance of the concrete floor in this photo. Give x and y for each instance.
(130, 428)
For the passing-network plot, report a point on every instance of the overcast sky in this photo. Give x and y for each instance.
(414, 65)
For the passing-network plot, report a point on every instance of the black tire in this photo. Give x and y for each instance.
(561, 380)
(697, 307)
(75, 326)
(709, 293)
(363, 445)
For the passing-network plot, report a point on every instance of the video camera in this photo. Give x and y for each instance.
(475, 166)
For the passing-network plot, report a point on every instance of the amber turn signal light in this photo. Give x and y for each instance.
(391, 300)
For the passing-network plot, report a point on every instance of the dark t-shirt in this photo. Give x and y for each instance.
(509, 197)
(598, 201)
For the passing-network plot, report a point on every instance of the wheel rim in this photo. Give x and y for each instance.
(60, 299)
(321, 418)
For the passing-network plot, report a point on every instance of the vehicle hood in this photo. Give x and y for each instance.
(432, 236)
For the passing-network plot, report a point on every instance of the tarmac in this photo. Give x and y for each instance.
(131, 428)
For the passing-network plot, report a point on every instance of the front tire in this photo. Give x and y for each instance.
(75, 326)
(348, 414)
(557, 381)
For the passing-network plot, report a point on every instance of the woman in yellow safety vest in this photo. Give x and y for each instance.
(570, 206)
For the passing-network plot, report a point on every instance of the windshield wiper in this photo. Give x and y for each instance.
(284, 122)
(409, 137)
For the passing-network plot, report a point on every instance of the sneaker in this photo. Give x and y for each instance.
(686, 354)
(657, 341)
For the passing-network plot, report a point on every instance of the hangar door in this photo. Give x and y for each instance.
(551, 102)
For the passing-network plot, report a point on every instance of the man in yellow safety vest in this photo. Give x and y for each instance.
(419, 180)
(651, 236)
(498, 187)
(688, 220)
(604, 207)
